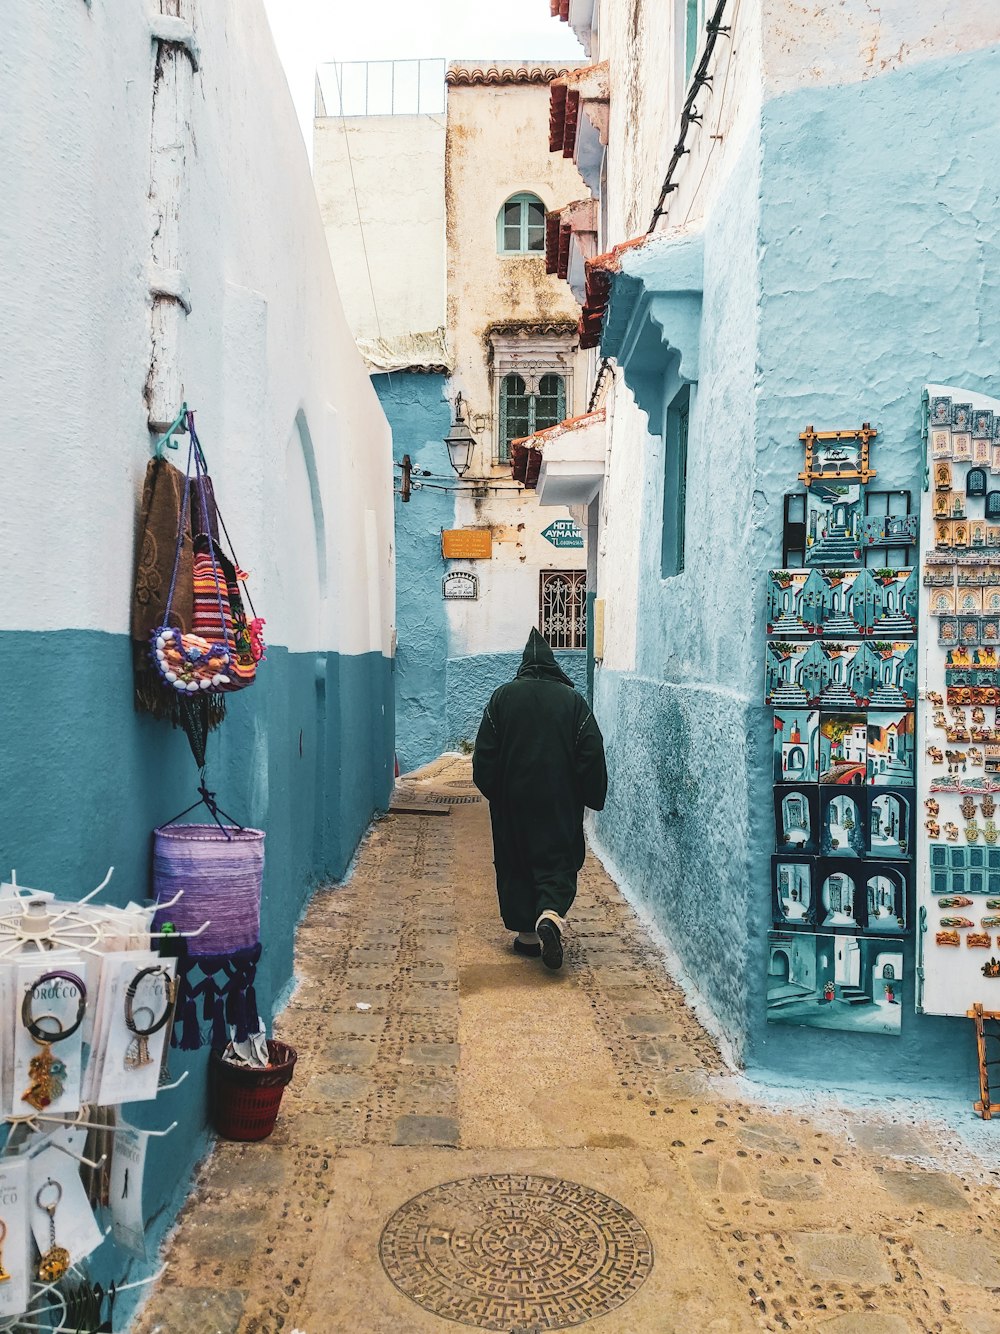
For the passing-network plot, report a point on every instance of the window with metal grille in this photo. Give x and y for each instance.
(523, 412)
(521, 226)
(562, 607)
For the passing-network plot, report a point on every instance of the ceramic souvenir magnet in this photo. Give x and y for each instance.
(975, 483)
(948, 630)
(941, 444)
(942, 503)
(890, 823)
(961, 416)
(843, 749)
(961, 446)
(943, 478)
(796, 746)
(833, 524)
(939, 411)
(978, 529)
(942, 534)
(982, 424)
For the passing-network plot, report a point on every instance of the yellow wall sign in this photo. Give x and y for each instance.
(466, 543)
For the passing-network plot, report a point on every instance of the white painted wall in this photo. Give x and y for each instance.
(265, 346)
(380, 185)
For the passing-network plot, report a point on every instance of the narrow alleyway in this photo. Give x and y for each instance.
(607, 1144)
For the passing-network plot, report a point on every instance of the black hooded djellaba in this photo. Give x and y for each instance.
(539, 760)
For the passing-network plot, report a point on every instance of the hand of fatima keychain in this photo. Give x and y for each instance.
(47, 1072)
(137, 1052)
(55, 1262)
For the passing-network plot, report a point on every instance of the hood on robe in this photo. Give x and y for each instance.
(538, 662)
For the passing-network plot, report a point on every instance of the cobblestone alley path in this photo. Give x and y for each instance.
(470, 1138)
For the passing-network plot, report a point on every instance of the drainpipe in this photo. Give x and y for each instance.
(172, 32)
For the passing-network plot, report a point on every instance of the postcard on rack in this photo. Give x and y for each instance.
(127, 1169)
(50, 1004)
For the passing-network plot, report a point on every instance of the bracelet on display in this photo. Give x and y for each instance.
(32, 1024)
(137, 1053)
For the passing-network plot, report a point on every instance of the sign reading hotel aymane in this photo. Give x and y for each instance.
(466, 543)
(563, 533)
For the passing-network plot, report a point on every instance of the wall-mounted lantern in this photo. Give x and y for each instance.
(460, 441)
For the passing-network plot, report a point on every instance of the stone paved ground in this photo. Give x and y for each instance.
(428, 1053)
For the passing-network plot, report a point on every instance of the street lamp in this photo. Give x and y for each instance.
(460, 441)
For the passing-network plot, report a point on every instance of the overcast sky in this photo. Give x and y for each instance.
(311, 32)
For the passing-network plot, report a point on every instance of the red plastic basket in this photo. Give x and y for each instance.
(243, 1103)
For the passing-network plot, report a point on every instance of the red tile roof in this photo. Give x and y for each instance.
(564, 103)
(559, 9)
(599, 273)
(540, 438)
(459, 76)
(560, 224)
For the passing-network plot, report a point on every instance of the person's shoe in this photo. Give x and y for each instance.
(551, 938)
(528, 948)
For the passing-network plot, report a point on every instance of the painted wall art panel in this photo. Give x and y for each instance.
(849, 983)
(843, 813)
(843, 748)
(891, 750)
(957, 890)
(796, 746)
(796, 818)
(834, 511)
(792, 888)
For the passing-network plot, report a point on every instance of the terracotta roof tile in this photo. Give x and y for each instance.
(459, 76)
(599, 271)
(541, 438)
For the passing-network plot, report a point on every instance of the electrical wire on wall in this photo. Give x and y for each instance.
(689, 116)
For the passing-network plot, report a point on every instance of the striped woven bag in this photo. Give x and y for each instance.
(221, 652)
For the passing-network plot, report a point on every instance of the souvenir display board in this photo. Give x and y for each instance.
(958, 844)
(841, 670)
(86, 1008)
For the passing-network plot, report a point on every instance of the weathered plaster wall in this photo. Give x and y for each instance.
(679, 725)
(417, 410)
(300, 453)
(472, 680)
(380, 185)
(894, 296)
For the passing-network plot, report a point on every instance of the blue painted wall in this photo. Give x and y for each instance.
(852, 257)
(472, 680)
(419, 415)
(305, 754)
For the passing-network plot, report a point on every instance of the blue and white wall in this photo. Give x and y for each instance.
(297, 444)
(441, 690)
(849, 237)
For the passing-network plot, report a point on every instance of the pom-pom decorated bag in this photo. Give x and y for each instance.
(221, 652)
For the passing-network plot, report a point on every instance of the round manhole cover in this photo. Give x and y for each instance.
(513, 1252)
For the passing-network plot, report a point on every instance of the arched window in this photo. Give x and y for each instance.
(521, 226)
(525, 409)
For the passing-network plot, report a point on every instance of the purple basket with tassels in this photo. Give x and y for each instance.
(220, 868)
(221, 872)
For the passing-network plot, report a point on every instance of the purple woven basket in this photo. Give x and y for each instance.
(221, 879)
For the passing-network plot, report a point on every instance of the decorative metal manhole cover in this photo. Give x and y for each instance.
(462, 783)
(516, 1252)
(453, 801)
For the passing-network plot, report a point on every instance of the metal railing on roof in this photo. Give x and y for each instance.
(381, 88)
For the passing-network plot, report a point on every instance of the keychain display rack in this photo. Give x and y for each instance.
(34, 926)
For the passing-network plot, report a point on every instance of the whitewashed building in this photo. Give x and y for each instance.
(434, 190)
(160, 243)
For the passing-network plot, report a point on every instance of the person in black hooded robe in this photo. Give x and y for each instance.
(539, 760)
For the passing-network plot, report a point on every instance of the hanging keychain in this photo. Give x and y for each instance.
(46, 1071)
(4, 1276)
(56, 1260)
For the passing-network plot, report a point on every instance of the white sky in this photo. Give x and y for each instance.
(311, 32)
